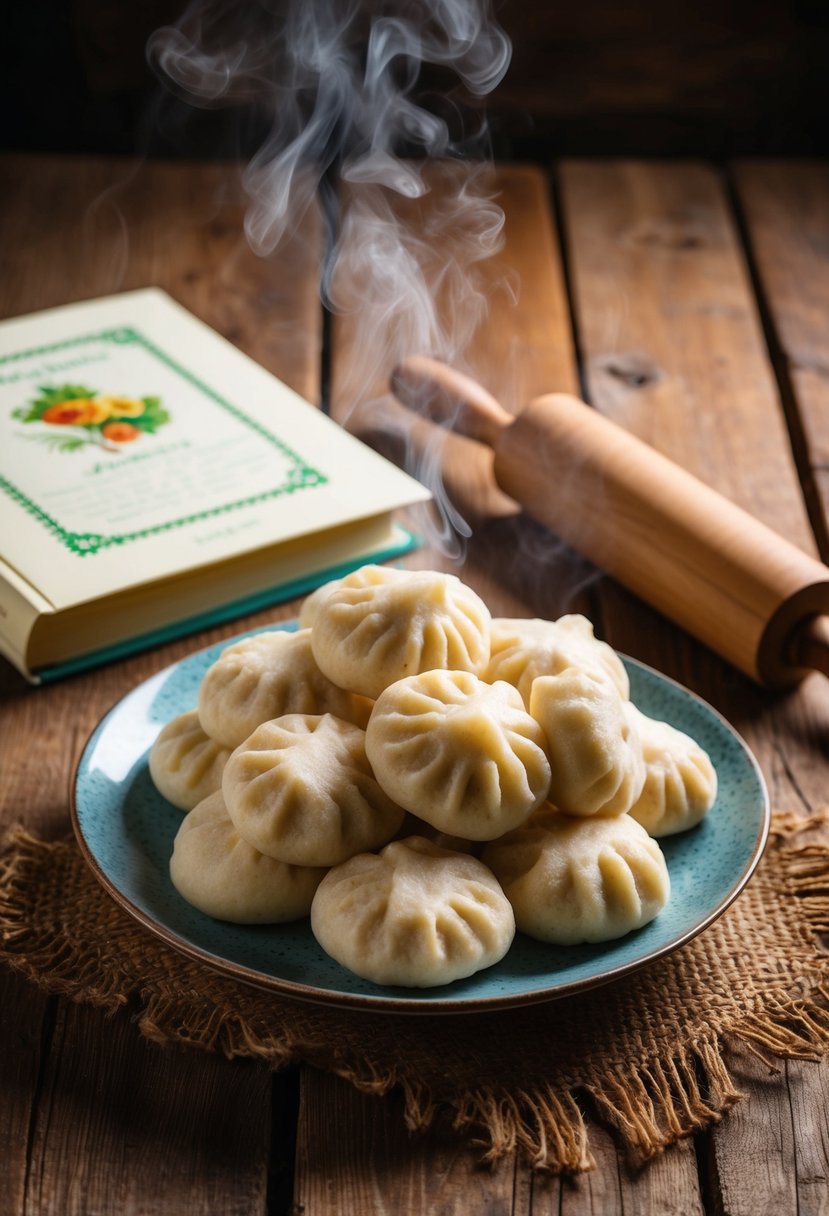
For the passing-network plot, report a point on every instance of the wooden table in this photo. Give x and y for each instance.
(690, 304)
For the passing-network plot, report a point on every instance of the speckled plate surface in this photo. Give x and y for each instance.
(126, 831)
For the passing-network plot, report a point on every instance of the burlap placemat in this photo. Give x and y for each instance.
(646, 1051)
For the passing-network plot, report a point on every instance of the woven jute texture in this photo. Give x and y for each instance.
(647, 1051)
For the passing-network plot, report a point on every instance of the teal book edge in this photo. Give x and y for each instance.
(218, 616)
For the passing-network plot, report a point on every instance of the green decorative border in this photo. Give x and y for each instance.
(300, 476)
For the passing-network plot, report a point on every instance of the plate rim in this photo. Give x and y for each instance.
(383, 1003)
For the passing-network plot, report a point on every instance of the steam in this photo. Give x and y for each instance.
(335, 84)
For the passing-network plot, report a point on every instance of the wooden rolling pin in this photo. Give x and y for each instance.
(750, 595)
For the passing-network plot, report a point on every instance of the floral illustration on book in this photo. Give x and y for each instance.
(73, 416)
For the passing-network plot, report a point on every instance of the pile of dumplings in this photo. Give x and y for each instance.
(424, 780)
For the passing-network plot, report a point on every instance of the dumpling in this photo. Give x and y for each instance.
(185, 763)
(265, 676)
(218, 872)
(311, 604)
(522, 650)
(415, 915)
(461, 754)
(301, 789)
(367, 637)
(593, 743)
(680, 780)
(580, 880)
(365, 576)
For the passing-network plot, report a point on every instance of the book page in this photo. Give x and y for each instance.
(135, 442)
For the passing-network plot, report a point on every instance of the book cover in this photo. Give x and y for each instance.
(140, 453)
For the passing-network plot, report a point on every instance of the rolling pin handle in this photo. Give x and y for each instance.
(436, 391)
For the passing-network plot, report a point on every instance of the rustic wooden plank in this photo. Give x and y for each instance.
(788, 1166)
(753, 1164)
(72, 228)
(668, 1185)
(81, 1116)
(811, 1134)
(786, 209)
(525, 344)
(359, 1171)
(24, 1017)
(367, 1162)
(504, 320)
(674, 350)
(174, 1135)
(670, 333)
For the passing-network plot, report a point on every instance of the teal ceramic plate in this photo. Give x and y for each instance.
(126, 831)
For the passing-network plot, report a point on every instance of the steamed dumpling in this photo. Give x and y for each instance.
(218, 872)
(366, 576)
(300, 789)
(461, 754)
(367, 637)
(680, 780)
(593, 742)
(185, 763)
(311, 604)
(265, 676)
(580, 880)
(415, 915)
(522, 650)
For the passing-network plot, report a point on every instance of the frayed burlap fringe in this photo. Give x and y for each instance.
(647, 1054)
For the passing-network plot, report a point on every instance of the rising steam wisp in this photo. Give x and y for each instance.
(336, 85)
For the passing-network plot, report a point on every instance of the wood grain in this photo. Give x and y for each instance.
(96, 1119)
(759, 1146)
(674, 350)
(73, 228)
(368, 1163)
(504, 320)
(25, 1018)
(810, 1132)
(124, 1126)
(668, 1185)
(786, 209)
(93, 1119)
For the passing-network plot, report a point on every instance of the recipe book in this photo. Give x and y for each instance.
(154, 480)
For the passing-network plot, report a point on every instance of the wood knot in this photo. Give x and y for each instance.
(630, 368)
